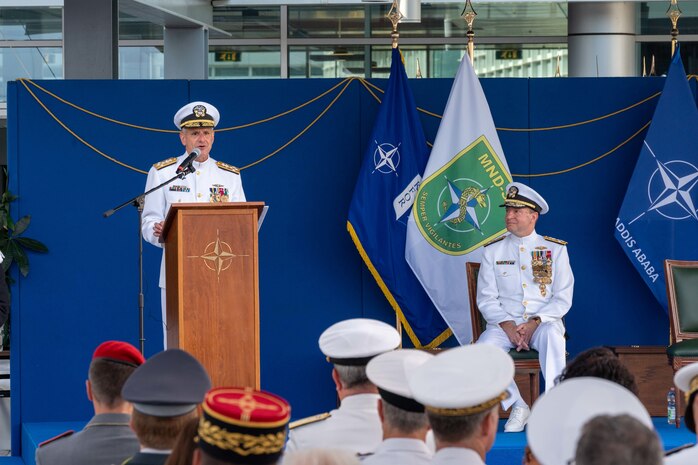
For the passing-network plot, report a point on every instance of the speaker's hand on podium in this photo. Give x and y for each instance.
(157, 228)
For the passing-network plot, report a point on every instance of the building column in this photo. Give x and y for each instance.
(186, 53)
(91, 39)
(601, 39)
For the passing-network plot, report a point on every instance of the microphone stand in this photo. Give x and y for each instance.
(138, 202)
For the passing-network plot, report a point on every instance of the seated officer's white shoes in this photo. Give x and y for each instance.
(517, 420)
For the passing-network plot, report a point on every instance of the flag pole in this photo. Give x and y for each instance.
(673, 13)
(469, 14)
(394, 15)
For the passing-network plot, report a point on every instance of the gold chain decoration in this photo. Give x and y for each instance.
(71, 132)
(582, 165)
(241, 444)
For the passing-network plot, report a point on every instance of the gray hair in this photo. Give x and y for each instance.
(402, 420)
(353, 375)
(618, 440)
(320, 457)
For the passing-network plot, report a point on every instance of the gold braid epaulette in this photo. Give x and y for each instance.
(556, 241)
(161, 164)
(227, 167)
(494, 241)
(308, 420)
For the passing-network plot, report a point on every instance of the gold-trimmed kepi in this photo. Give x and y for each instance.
(686, 379)
(520, 196)
(244, 425)
(197, 115)
(463, 381)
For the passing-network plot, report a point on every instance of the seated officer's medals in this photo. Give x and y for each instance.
(542, 266)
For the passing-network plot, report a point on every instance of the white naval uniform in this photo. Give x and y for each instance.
(198, 186)
(401, 451)
(685, 457)
(354, 426)
(456, 456)
(506, 291)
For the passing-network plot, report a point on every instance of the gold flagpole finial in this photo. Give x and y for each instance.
(673, 13)
(468, 15)
(394, 15)
(644, 68)
(652, 70)
(557, 67)
(419, 70)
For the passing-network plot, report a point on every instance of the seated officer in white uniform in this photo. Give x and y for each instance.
(524, 289)
(405, 424)
(210, 181)
(355, 426)
(461, 389)
(687, 380)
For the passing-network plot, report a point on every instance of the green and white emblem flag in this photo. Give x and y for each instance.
(457, 206)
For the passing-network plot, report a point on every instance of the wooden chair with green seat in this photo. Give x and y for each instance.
(682, 297)
(526, 362)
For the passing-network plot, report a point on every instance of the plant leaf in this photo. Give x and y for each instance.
(31, 244)
(21, 225)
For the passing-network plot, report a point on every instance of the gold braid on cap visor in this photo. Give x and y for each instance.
(519, 203)
(456, 412)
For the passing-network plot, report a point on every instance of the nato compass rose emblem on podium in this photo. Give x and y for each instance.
(386, 158)
(217, 256)
(669, 189)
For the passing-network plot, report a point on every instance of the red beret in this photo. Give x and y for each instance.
(121, 352)
(243, 425)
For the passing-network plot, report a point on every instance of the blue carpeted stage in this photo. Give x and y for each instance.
(508, 448)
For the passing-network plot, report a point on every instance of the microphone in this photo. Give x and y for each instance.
(184, 166)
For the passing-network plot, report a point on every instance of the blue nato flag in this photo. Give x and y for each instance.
(385, 191)
(658, 218)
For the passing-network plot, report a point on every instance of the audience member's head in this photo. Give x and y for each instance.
(321, 457)
(686, 379)
(600, 362)
(242, 426)
(557, 418)
(165, 392)
(401, 415)
(461, 389)
(349, 345)
(112, 364)
(618, 440)
(185, 444)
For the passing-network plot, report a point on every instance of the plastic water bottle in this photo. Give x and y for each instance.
(671, 406)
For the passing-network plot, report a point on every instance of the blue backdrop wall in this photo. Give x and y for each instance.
(84, 290)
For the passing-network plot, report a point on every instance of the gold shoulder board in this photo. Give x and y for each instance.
(56, 438)
(308, 420)
(557, 241)
(227, 167)
(161, 164)
(494, 241)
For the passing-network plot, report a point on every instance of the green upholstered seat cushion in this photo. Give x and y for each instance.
(688, 348)
(686, 289)
(524, 354)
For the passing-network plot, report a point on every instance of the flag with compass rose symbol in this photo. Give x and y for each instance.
(658, 219)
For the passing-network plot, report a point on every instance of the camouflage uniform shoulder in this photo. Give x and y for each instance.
(65, 434)
(162, 164)
(494, 241)
(556, 241)
(227, 167)
(309, 420)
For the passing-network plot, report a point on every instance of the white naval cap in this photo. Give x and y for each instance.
(687, 380)
(389, 372)
(197, 115)
(557, 418)
(520, 195)
(463, 381)
(356, 341)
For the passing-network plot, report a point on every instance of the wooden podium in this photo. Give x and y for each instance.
(213, 287)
